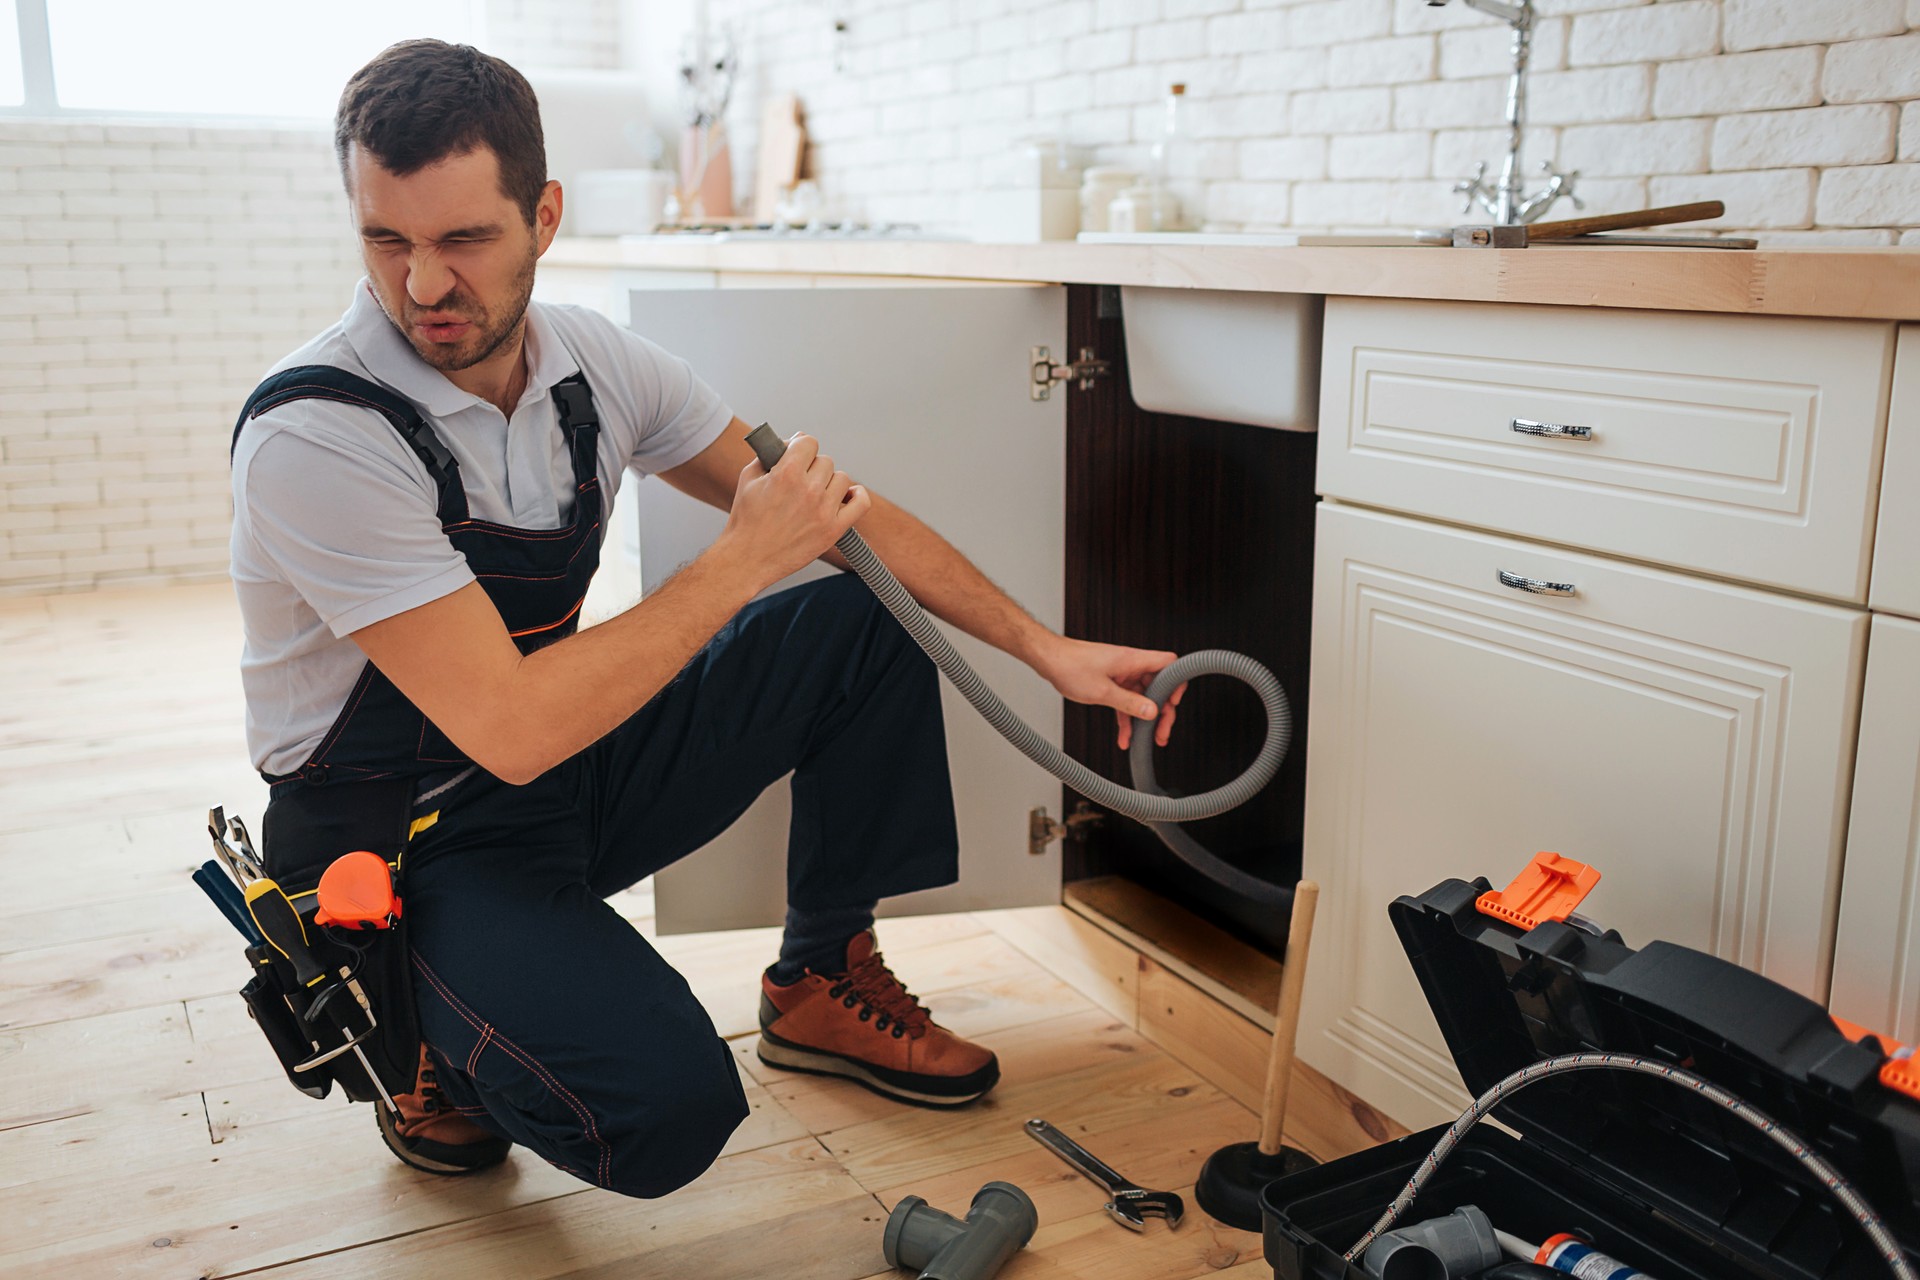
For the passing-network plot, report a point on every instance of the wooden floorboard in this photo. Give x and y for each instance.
(146, 1130)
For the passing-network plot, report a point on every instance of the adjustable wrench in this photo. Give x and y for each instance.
(1130, 1205)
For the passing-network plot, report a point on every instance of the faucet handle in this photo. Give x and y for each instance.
(1562, 183)
(1473, 188)
(1558, 184)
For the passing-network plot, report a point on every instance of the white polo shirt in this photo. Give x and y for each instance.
(334, 517)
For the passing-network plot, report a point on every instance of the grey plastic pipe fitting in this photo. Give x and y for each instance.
(998, 1225)
(1460, 1244)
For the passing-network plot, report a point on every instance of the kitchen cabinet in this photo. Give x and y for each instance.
(924, 395)
(1686, 736)
(1686, 719)
(1876, 961)
(1501, 668)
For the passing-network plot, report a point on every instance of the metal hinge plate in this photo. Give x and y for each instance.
(1044, 372)
(1042, 830)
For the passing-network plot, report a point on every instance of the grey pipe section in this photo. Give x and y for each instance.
(941, 1247)
(1145, 800)
(1461, 1244)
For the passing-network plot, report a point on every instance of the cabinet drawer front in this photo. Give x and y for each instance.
(1896, 549)
(1687, 737)
(1742, 446)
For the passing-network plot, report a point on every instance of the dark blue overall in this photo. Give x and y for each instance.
(552, 1022)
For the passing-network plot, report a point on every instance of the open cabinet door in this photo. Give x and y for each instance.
(922, 394)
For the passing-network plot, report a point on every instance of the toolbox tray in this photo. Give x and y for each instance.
(1647, 1170)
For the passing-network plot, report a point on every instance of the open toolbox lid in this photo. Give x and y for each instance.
(1508, 991)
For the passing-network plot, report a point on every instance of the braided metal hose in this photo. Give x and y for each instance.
(1785, 1138)
(1145, 800)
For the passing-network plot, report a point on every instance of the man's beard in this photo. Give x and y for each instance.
(491, 330)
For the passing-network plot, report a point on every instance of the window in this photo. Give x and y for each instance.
(13, 85)
(274, 59)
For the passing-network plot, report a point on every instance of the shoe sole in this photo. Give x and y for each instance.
(791, 1057)
(426, 1164)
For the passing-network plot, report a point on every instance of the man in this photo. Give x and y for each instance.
(420, 496)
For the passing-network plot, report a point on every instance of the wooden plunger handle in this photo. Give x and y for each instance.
(1286, 1018)
(1660, 217)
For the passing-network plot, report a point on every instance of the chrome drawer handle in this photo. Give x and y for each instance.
(1558, 431)
(1536, 586)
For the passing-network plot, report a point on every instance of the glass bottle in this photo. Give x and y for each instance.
(1173, 164)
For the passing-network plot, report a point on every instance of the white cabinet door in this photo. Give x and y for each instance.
(1896, 549)
(922, 394)
(1876, 955)
(1689, 738)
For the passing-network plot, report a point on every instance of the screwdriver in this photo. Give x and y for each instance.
(280, 923)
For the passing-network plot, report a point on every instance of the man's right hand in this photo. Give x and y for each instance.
(782, 521)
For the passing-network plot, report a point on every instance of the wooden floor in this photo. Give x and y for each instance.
(146, 1130)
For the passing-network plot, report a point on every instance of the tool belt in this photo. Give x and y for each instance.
(350, 1006)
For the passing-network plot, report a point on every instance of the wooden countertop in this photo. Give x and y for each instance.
(1873, 283)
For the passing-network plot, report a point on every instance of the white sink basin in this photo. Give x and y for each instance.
(1226, 355)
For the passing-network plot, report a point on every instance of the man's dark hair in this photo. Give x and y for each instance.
(421, 101)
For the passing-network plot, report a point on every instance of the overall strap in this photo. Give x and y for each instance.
(325, 382)
(573, 402)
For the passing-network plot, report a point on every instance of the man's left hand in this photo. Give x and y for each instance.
(1107, 675)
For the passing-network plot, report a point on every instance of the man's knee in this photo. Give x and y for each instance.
(658, 1145)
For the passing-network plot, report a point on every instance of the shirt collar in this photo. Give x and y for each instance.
(391, 359)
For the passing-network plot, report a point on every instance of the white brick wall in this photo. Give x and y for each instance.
(148, 275)
(1363, 113)
(555, 33)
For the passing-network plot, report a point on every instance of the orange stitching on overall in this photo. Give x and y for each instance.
(530, 631)
(529, 535)
(420, 746)
(586, 541)
(526, 1060)
(528, 577)
(505, 531)
(478, 1045)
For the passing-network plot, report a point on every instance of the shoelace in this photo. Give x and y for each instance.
(871, 983)
(427, 1092)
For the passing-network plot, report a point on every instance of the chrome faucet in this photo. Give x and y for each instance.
(1503, 201)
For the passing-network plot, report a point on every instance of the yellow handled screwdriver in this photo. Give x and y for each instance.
(280, 924)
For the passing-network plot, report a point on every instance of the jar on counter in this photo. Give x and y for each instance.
(1098, 187)
(1143, 208)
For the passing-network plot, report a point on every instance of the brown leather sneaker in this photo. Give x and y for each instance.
(429, 1135)
(864, 1025)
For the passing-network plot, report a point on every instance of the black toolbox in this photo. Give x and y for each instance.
(1648, 1171)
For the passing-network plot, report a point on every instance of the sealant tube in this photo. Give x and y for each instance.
(1577, 1258)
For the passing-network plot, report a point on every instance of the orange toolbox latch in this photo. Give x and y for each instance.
(1901, 1071)
(1548, 889)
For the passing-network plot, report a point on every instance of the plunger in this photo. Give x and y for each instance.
(1234, 1176)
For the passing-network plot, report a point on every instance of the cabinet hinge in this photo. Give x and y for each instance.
(1044, 372)
(1042, 830)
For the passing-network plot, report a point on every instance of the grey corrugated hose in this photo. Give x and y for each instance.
(1145, 800)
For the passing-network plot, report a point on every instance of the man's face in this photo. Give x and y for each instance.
(450, 257)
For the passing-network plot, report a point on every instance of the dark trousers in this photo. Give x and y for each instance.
(551, 1021)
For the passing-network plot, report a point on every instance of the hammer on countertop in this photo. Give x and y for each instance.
(1580, 230)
